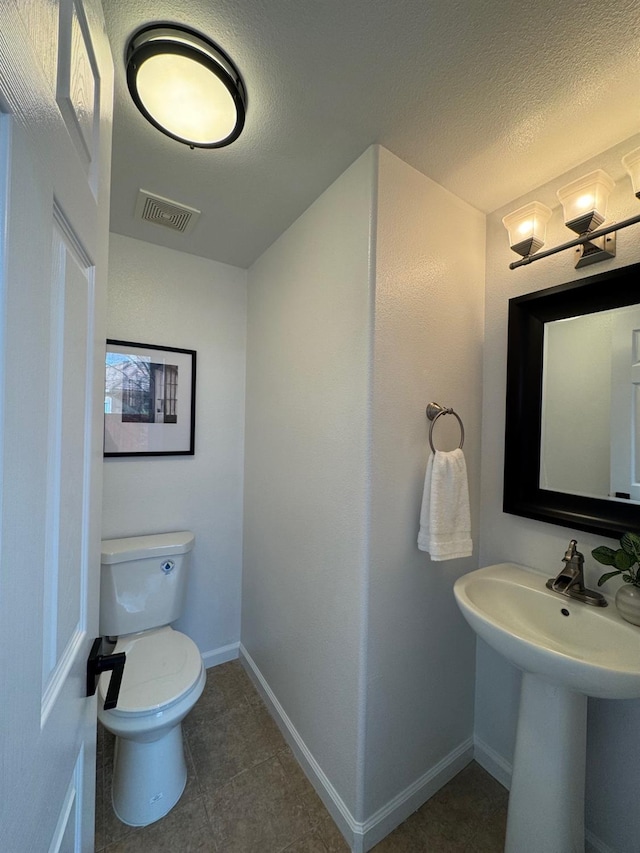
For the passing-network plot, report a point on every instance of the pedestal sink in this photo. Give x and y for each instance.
(567, 651)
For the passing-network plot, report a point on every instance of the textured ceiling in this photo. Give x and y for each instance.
(489, 98)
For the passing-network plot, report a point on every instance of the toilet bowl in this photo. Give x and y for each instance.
(142, 590)
(163, 678)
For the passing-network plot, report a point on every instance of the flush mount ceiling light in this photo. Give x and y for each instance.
(584, 204)
(185, 85)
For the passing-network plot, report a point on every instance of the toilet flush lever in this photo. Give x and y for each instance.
(97, 664)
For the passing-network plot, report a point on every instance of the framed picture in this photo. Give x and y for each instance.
(149, 400)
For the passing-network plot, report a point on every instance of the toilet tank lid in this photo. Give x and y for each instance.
(140, 547)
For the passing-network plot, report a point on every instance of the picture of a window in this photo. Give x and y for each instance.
(149, 399)
(170, 393)
(150, 396)
(149, 390)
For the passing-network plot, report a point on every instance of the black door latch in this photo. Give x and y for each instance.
(97, 664)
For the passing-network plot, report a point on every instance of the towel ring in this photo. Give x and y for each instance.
(434, 411)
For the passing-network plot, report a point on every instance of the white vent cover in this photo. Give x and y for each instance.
(163, 211)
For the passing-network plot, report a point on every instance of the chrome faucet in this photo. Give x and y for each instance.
(570, 579)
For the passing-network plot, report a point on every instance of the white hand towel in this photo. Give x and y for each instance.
(445, 521)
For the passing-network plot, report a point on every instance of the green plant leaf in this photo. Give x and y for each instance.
(604, 555)
(604, 578)
(628, 578)
(623, 560)
(631, 544)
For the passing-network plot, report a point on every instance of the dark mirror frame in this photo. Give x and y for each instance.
(527, 316)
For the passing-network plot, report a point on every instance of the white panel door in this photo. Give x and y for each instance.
(625, 403)
(56, 82)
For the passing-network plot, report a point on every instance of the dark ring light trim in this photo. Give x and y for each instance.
(164, 38)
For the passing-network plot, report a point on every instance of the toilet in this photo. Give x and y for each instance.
(142, 590)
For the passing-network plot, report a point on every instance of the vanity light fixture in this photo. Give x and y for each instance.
(185, 85)
(584, 203)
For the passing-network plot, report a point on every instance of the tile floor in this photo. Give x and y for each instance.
(246, 793)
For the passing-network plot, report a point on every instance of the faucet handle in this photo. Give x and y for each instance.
(572, 552)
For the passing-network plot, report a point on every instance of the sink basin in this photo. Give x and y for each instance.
(567, 650)
(584, 648)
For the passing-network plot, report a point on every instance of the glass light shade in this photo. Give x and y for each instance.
(527, 228)
(185, 86)
(631, 162)
(186, 98)
(585, 201)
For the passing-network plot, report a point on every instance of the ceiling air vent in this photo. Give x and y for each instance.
(163, 211)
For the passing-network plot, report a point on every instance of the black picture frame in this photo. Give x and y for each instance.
(150, 400)
(523, 427)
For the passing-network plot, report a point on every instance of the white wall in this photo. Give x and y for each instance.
(161, 296)
(613, 756)
(306, 490)
(429, 314)
(351, 631)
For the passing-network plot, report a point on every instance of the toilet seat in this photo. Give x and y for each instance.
(162, 666)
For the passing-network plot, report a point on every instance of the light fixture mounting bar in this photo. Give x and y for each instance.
(579, 241)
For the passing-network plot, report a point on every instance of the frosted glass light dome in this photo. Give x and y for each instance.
(631, 162)
(527, 227)
(585, 201)
(186, 86)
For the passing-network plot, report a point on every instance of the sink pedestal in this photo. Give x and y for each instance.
(546, 802)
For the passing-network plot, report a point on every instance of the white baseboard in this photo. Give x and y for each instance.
(361, 836)
(492, 762)
(594, 845)
(221, 655)
(386, 819)
(327, 793)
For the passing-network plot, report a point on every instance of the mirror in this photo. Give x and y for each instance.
(571, 443)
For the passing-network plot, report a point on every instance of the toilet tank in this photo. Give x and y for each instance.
(143, 580)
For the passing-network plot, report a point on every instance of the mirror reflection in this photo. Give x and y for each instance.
(590, 413)
(569, 449)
